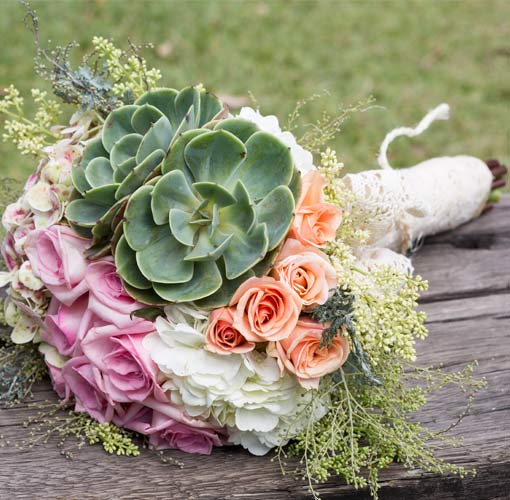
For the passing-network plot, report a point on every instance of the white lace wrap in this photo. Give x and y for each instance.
(410, 203)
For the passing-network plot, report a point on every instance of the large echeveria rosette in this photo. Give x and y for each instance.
(204, 216)
(221, 207)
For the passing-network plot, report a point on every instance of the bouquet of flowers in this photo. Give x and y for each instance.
(197, 277)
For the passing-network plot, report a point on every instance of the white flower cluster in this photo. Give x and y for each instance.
(244, 392)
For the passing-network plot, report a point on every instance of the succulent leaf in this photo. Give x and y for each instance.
(242, 129)
(125, 150)
(99, 172)
(268, 164)
(172, 191)
(86, 212)
(153, 261)
(207, 280)
(272, 211)
(117, 125)
(214, 156)
(144, 118)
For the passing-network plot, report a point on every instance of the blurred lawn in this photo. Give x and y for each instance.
(410, 56)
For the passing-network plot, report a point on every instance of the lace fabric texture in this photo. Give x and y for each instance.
(402, 206)
(406, 205)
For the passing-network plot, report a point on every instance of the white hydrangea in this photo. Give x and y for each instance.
(244, 392)
(302, 158)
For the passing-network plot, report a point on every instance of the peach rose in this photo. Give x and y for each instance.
(266, 309)
(306, 270)
(302, 355)
(222, 337)
(316, 221)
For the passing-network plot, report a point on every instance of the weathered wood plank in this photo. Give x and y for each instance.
(468, 316)
(472, 260)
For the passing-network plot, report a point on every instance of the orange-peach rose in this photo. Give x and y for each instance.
(316, 221)
(302, 355)
(222, 337)
(266, 309)
(306, 270)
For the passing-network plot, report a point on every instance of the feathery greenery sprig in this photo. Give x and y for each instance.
(54, 420)
(316, 135)
(369, 426)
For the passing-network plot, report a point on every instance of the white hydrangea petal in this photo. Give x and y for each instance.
(260, 420)
(5, 278)
(250, 442)
(265, 367)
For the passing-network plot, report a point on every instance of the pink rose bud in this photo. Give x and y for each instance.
(168, 433)
(316, 221)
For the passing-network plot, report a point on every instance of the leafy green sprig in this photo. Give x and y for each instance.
(335, 315)
(107, 77)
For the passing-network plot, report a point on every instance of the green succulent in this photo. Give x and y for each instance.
(134, 142)
(191, 206)
(216, 216)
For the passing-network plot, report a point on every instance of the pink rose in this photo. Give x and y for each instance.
(127, 372)
(316, 221)
(84, 381)
(302, 354)
(65, 326)
(107, 296)
(114, 368)
(57, 258)
(307, 271)
(266, 309)
(222, 337)
(168, 433)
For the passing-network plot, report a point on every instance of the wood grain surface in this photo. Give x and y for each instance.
(468, 317)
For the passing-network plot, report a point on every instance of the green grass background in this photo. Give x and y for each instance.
(409, 55)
